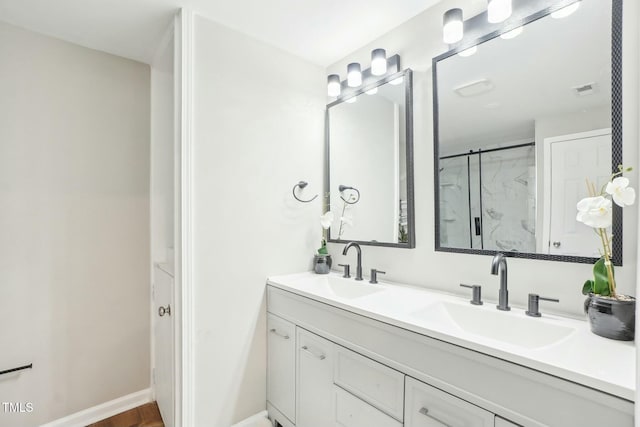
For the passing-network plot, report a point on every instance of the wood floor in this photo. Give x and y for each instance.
(143, 416)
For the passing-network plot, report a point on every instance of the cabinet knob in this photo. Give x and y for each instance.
(556, 244)
(164, 310)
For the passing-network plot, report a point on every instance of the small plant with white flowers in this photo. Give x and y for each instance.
(596, 211)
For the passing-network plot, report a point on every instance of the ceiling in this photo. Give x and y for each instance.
(320, 31)
(532, 77)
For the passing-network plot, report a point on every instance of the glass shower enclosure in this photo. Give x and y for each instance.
(487, 199)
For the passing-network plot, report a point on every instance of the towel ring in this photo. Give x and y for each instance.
(301, 185)
(342, 188)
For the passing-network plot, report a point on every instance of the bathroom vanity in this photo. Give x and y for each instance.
(355, 354)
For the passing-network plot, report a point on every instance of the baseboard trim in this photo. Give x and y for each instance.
(104, 410)
(251, 421)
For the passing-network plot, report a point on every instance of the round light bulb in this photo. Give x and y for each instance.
(397, 81)
(372, 91)
(333, 85)
(354, 75)
(468, 52)
(351, 100)
(566, 11)
(498, 10)
(378, 62)
(512, 34)
(452, 26)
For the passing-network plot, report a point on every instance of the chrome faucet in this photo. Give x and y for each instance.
(359, 251)
(499, 266)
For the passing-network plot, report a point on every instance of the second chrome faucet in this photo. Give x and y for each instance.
(499, 267)
(359, 261)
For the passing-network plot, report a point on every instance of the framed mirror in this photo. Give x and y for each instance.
(520, 124)
(369, 168)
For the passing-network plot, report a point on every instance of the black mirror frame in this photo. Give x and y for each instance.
(616, 130)
(407, 74)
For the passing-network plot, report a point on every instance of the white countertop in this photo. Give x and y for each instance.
(580, 356)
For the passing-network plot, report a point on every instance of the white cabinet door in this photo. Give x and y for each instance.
(315, 381)
(164, 344)
(427, 406)
(281, 365)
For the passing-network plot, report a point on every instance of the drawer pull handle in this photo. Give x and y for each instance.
(424, 411)
(275, 331)
(319, 356)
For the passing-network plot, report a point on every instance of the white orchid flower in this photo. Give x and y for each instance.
(347, 220)
(326, 219)
(595, 212)
(622, 194)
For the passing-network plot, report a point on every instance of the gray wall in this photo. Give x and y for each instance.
(74, 226)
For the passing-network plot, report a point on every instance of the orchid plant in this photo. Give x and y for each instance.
(327, 219)
(596, 211)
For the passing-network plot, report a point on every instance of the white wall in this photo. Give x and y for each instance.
(418, 41)
(74, 227)
(258, 130)
(637, 406)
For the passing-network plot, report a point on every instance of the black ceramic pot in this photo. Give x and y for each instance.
(322, 264)
(611, 318)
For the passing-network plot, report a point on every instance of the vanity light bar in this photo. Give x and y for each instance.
(333, 85)
(354, 75)
(453, 23)
(498, 11)
(452, 26)
(566, 11)
(359, 81)
(378, 62)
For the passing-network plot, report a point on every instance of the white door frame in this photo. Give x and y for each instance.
(167, 39)
(185, 357)
(181, 30)
(546, 162)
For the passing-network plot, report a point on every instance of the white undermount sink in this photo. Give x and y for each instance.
(512, 328)
(349, 288)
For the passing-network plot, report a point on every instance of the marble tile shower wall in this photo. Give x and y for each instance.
(497, 190)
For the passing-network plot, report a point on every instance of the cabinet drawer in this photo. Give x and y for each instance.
(428, 406)
(371, 381)
(281, 365)
(354, 412)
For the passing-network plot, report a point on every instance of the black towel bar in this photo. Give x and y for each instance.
(19, 368)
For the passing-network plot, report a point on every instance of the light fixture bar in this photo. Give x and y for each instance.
(452, 26)
(378, 62)
(566, 11)
(498, 10)
(333, 85)
(354, 75)
(369, 80)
